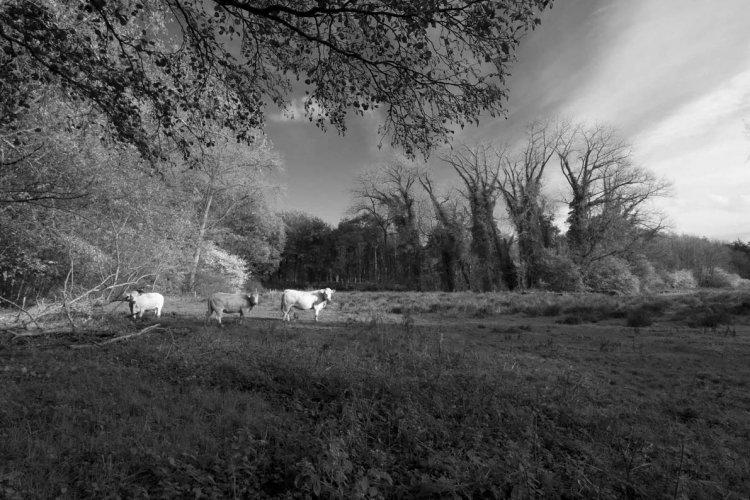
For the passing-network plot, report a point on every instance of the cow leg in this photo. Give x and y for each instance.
(242, 315)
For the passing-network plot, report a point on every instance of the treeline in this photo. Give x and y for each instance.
(403, 232)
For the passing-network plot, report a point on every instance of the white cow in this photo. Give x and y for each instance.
(315, 300)
(143, 302)
(220, 303)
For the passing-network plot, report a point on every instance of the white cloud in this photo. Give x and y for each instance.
(295, 111)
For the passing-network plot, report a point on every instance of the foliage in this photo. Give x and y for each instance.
(719, 278)
(644, 270)
(740, 258)
(309, 251)
(521, 187)
(698, 254)
(611, 274)
(171, 66)
(559, 273)
(681, 280)
(478, 166)
(231, 267)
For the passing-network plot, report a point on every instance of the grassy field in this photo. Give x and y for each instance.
(390, 395)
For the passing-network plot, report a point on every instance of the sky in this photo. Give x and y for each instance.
(672, 76)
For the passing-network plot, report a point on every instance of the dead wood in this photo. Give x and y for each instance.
(116, 339)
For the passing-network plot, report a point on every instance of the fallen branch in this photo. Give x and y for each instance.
(21, 308)
(116, 339)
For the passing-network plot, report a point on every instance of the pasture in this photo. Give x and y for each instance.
(390, 395)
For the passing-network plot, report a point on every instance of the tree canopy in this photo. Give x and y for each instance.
(165, 69)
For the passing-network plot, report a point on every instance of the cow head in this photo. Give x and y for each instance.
(130, 296)
(328, 294)
(254, 298)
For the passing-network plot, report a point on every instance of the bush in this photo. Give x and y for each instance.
(611, 274)
(649, 278)
(639, 317)
(559, 273)
(719, 278)
(682, 279)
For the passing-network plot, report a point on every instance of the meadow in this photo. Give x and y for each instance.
(391, 395)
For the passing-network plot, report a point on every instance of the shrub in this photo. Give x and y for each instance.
(710, 317)
(681, 279)
(719, 278)
(611, 274)
(559, 273)
(639, 317)
(649, 278)
(231, 267)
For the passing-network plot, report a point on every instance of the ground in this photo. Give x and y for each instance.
(389, 395)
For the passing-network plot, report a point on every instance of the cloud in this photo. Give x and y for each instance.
(703, 117)
(295, 111)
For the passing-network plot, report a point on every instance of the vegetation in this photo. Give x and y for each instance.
(132, 155)
(480, 397)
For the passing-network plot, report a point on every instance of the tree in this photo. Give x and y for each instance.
(448, 237)
(609, 210)
(309, 250)
(478, 166)
(166, 68)
(521, 187)
(388, 194)
(226, 176)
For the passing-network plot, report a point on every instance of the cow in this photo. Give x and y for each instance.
(220, 303)
(315, 300)
(141, 302)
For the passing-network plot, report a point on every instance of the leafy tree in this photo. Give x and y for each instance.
(359, 253)
(224, 177)
(741, 257)
(256, 234)
(165, 68)
(309, 250)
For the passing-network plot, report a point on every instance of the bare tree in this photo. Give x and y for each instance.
(521, 187)
(478, 166)
(609, 195)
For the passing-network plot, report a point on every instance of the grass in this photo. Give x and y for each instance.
(371, 403)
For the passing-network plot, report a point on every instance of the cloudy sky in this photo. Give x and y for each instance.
(672, 76)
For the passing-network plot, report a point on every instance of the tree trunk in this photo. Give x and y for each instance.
(199, 245)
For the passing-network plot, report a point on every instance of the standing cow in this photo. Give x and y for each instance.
(315, 300)
(143, 302)
(220, 303)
